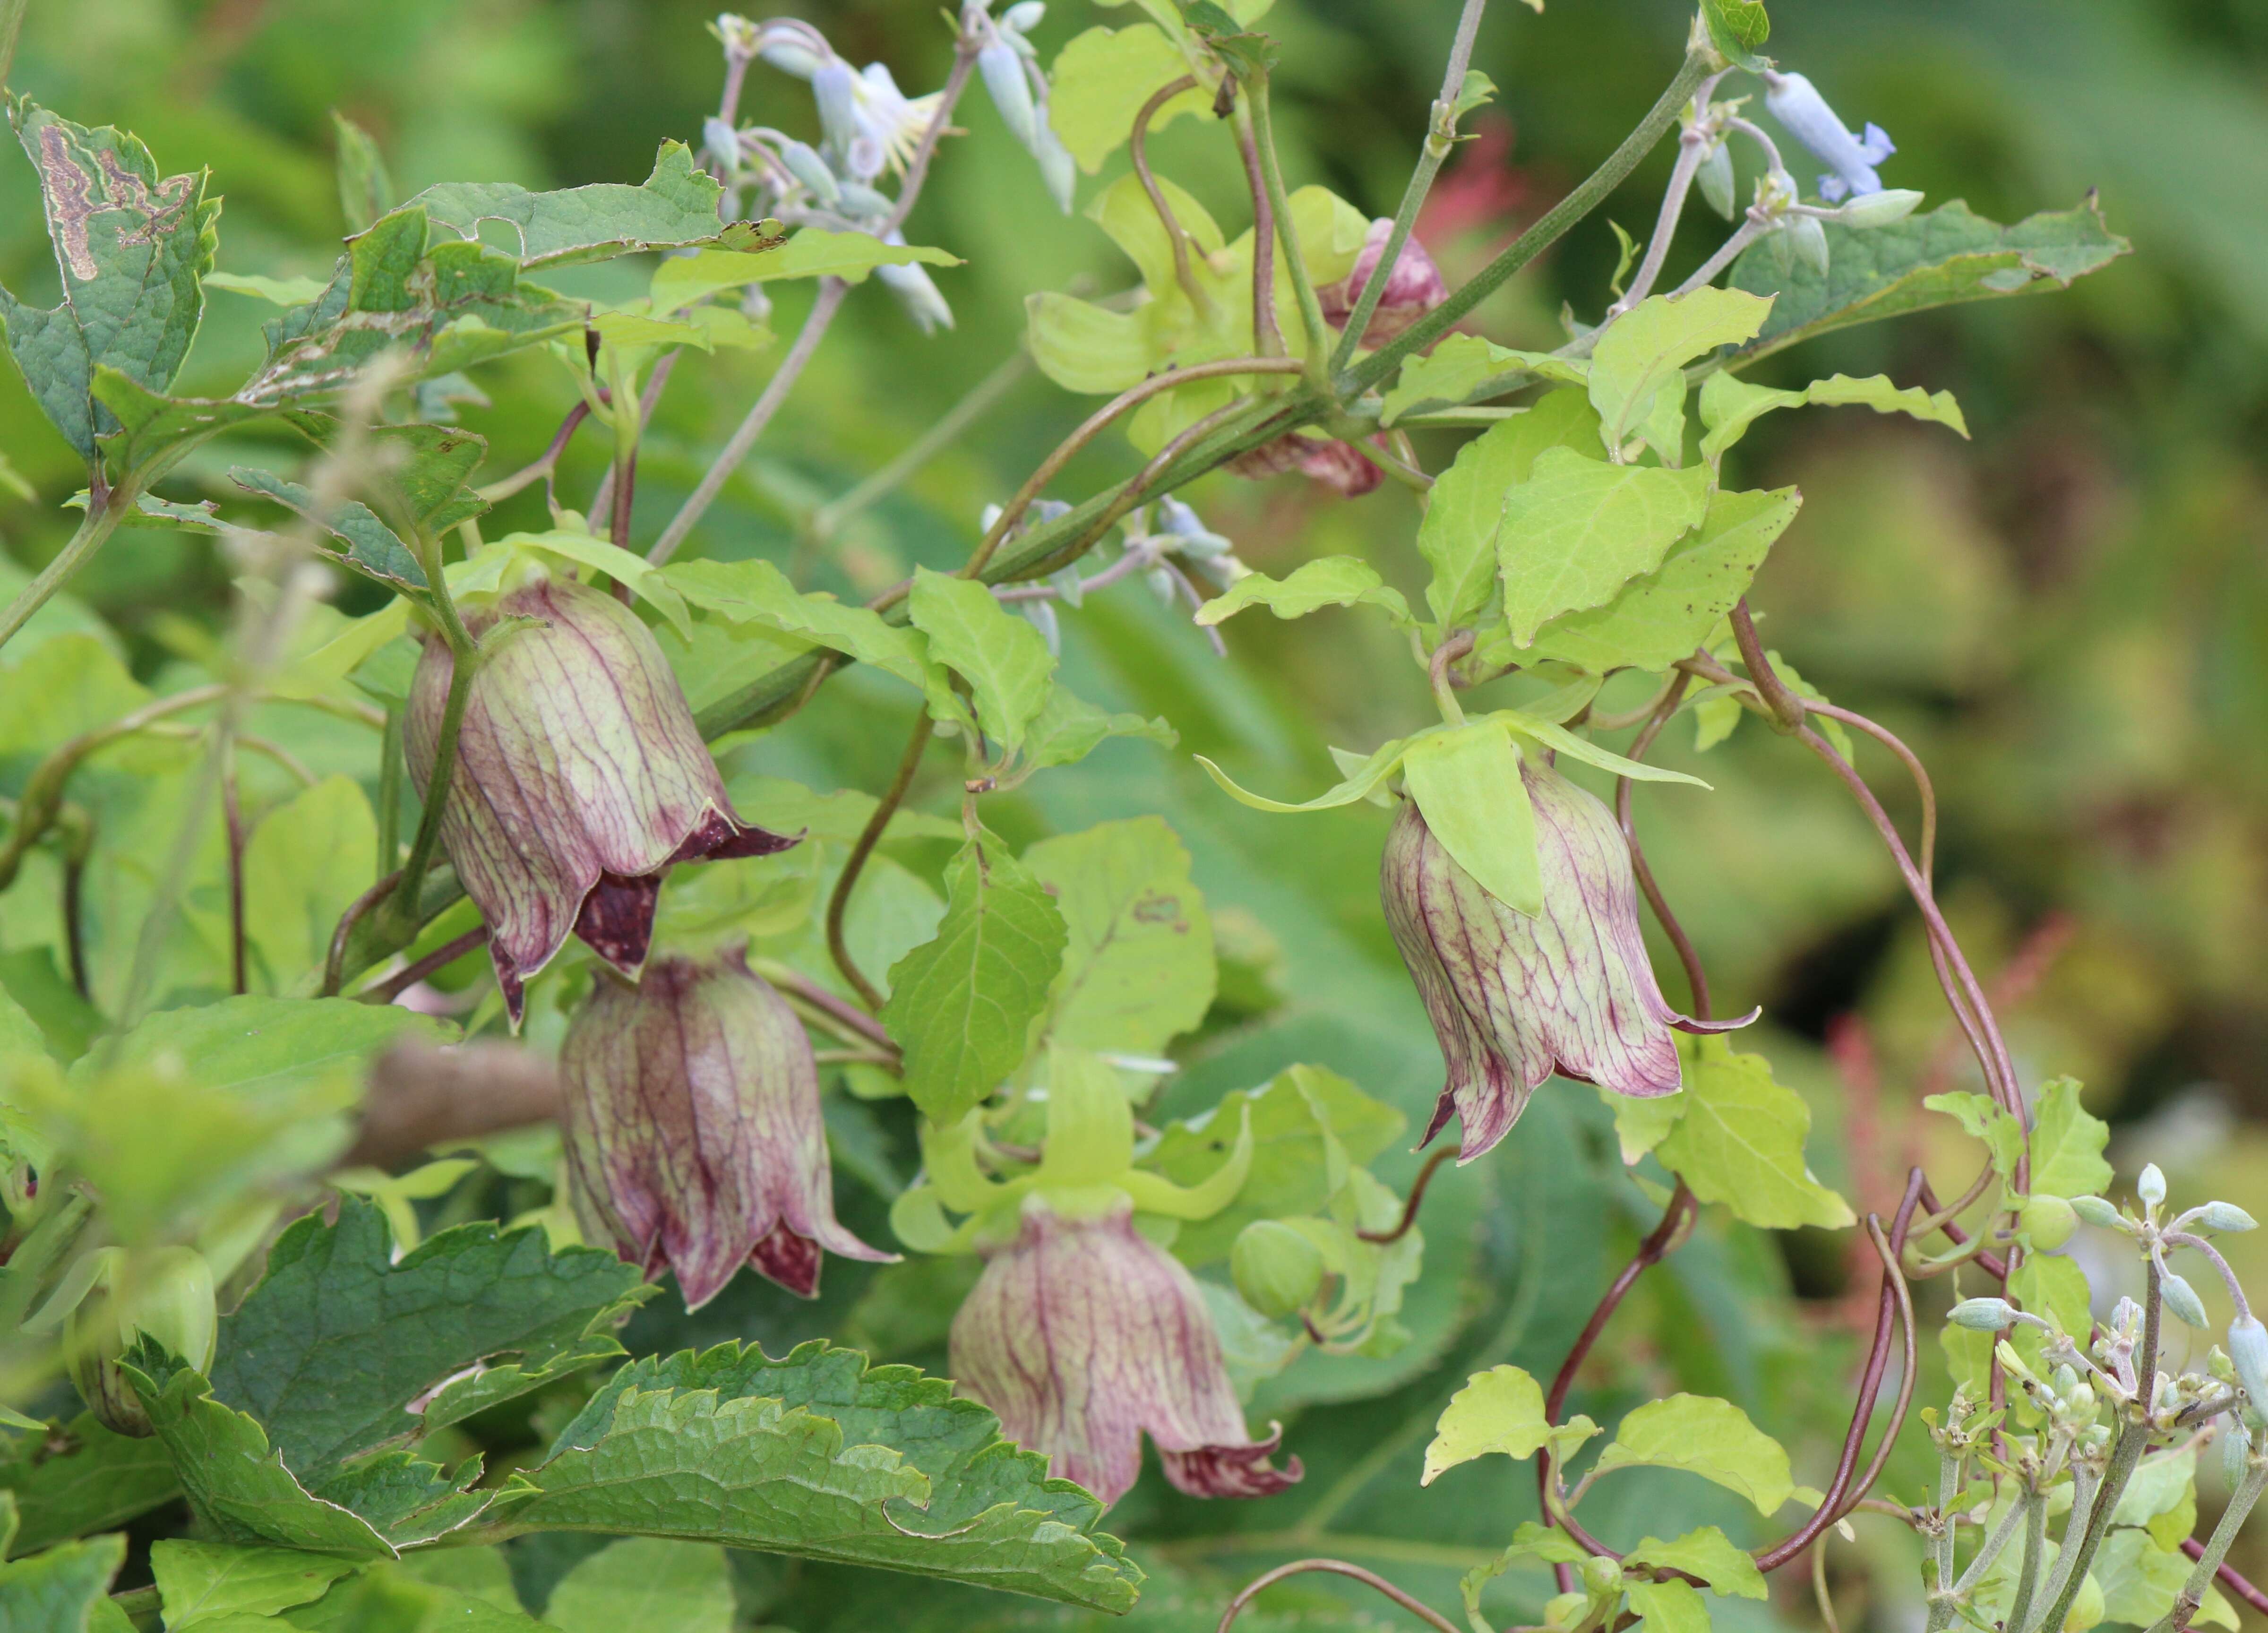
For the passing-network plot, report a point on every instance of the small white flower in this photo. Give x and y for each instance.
(1850, 160)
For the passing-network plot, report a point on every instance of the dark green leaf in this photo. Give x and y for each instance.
(100, 1481)
(371, 547)
(674, 208)
(1736, 28)
(57, 1592)
(365, 190)
(200, 1582)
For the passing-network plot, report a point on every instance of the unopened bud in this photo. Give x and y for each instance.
(169, 1297)
(1985, 1316)
(1024, 16)
(2096, 1211)
(1601, 1575)
(2151, 1188)
(2248, 1353)
(1011, 92)
(1715, 179)
(2226, 1215)
(1808, 239)
(2235, 1450)
(2048, 1220)
(1879, 210)
(2182, 1300)
(1277, 1269)
(804, 163)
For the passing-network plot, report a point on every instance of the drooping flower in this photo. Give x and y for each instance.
(1513, 999)
(693, 1130)
(1083, 1334)
(580, 777)
(1335, 465)
(1796, 103)
(870, 125)
(915, 292)
(1413, 289)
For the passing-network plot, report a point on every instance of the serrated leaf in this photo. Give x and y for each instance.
(820, 1457)
(337, 1340)
(371, 547)
(365, 189)
(1708, 1553)
(200, 1583)
(1579, 529)
(1458, 536)
(1466, 369)
(61, 1590)
(1329, 581)
(962, 1004)
(1067, 728)
(131, 247)
(1467, 783)
(1003, 658)
(755, 592)
(1661, 617)
(2067, 1142)
(1499, 1410)
(812, 252)
(1137, 963)
(1729, 405)
(674, 208)
(1984, 1118)
(1641, 356)
(101, 1482)
(1101, 80)
(1740, 1142)
(1707, 1437)
(1934, 259)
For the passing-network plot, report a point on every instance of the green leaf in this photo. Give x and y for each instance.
(1708, 1553)
(1729, 405)
(1740, 1142)
(1465, 369)
(372, 548)
(69, 684)
(755, 592)
(1100, 82)
(1003, 658)
(2139, 1579)
(645, 580)
(2067, 1142)
(60, 1590)
(962, 1004)
(1984, 1118)
(1458, 536)
(303, 866)
(2160, 1496)
(821, 1456)
(1358, 784)
(1467, 783)
(1067, 728)
(365, 189)
(103, 1481)
(425, 471)
(1577, 530)
(645, 1582)
(1137, 963)
(674, 208)
(1935, 259)
(1659, 617)
(1706, 1437)
(1086, 348)
(1329, 581)
(276, 291)
(1641, 356)
(329, 1351)
(389, 1598)
(130, 247)
(1311, 1128)
(812, 252)
(1499, 1410)
(1736, 28)
(1671, 1607)
(200, 1583)
(267, 1051)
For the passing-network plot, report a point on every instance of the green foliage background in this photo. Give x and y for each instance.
(2067, 617)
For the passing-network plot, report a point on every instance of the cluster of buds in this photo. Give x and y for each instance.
(1012, 74)
(1515, 998)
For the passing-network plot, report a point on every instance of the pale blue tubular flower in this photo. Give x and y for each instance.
(1850, 160)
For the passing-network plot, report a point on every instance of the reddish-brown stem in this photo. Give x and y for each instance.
(1785, 706)
(1695, 979)
(335, 965)
(1136, 147)
(1338, 1567)
(1992, 1266)
(410, 974)
(847, 1015)
(1267, 338)
(838, 904)
(1417, 1195)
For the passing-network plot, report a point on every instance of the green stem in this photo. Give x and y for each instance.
(1547, 231)
(2216, 1549)
(2028, 1570)
(1287, 234)
(101, 521)
(389, 793)
(1948, 1486)
(399, 919)
(42, 801)
(2084, 1487)
(11, 23)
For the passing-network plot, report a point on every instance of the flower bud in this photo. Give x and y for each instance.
(791, 57)
(167, 1295)
(2096, 1211)
(804, 163)
(915, 293)
(1413, 289)
(1601, 1575)
(2151, 1186)
(1513, 998)
(2048, 1220)
(1082, 1334)
(1715, 179)
(1011, 92)
(2182, 1300)
(1024, 16)
(1850, 160)
(693, 1131)
(2226, 1215)
(1881, 210)
(1808, 240)
(1058, 168)
(1985, 1316)
(1338, 466)
(1277, 1269)
(2248, 1353)
(580, 778)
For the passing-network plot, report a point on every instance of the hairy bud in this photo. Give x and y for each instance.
(2248, 1353)
(2226, 1215)
(167, 1295)
(2151, 1185)
(693, 1130)
(1413, 289)
(2097, 1211)
(580, 778)
(1083, 1334)
(1985, 1316)
(1512, 998)
(2182, 1300)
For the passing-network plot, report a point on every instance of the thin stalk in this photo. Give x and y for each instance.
(1691, 148)
(231, 811)
(2003, 1534)
(1747, 233)
(1547, 231)
(2084, 1485)
(101, 521)
(2231, 1578)
(845, 1019)
(397, 920)
(828, 518)
(11, 24)
(42, 800)
(1697, 979)
(389, 792)
(1948, 1486)
(1287, 234)
(2126, 1453)
(1267, 336)
(1138, 150)
(2028, 1569)
(540, 467)
(855, 863)
(79, 830)
(1417, 1195)
(964, 63)
(410, 974)
(649, 400)
(2216, 1549)
(1337, 1567)
(1440, 137)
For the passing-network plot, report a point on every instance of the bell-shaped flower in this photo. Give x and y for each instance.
(1513, 998)
(1334, 465)
(915, 293)
(580, 777)
(870, 125)
(1083, 1334)
(1796, 103)
(693, 1131)
(1413, 289)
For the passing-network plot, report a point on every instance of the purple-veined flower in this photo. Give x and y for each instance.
(1796, 103)
(580, 777)
(693, 1131)
(1513, 999)
(1335, 465)
(1413, 289)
